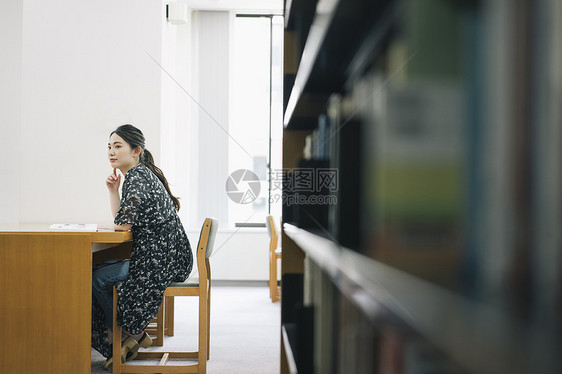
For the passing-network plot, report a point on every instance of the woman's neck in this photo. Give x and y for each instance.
(124, 169)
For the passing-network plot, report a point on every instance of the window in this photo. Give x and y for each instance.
(222, 116)
(254, 149)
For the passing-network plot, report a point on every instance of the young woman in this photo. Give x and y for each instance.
(161, 252)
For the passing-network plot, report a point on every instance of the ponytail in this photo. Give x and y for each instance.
(135, 138)
(147, 160)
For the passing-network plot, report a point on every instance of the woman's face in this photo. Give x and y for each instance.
(120, 154)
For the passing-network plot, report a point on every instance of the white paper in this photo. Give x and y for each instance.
(90, 227)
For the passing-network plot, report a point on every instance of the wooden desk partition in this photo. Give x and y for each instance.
(45, 299)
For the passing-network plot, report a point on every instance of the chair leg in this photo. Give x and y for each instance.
(116, 337)
(272, 277)
(163, 323)
(203, 353)
(169, 316)
(209, 322)
(159, 341)
(274, 291)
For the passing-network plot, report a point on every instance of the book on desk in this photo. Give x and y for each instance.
(88, 227)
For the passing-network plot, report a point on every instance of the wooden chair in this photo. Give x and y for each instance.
(191, 287)
(274, 255)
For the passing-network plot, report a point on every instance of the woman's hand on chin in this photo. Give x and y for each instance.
(113, 181)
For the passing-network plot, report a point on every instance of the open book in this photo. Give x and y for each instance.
(90, 227)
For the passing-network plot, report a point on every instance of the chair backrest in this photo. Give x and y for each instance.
(270, 224)
(207, 235)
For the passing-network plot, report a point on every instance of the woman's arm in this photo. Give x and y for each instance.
(112, 182)
(114, 202)
(122, 227)
(111, 226)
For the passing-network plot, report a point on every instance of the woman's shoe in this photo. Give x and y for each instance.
(108, 365)
(145, 341)
(129, 349)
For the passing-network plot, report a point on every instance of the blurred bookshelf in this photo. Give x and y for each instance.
(423, 195)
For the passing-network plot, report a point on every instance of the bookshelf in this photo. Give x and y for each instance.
(419, 167)
(456, 326)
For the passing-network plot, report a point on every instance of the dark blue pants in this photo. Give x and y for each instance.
(105, 275)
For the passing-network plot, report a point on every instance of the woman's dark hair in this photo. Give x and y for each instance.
(135, 138)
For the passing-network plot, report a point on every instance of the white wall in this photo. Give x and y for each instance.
(212, 59)
(177, 152)
(11, 24)
(84, 69)
(239, 255)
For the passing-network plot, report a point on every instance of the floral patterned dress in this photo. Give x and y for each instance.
(161, 254)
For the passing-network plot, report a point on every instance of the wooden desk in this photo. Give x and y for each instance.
(46, 297)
